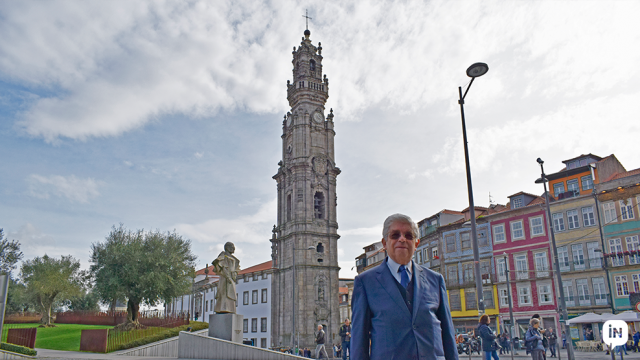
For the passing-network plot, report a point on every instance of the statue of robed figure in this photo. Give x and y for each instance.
(226, 266)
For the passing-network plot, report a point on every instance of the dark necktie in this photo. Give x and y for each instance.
(404, 276)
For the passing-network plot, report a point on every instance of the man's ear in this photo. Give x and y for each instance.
(384, 242)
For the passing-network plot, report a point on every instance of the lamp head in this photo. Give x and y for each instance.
(477, 70)
(540, 161)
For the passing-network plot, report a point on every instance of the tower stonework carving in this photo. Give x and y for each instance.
(307, 228)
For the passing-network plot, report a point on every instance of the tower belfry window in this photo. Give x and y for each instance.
(288, 207)
(318, 205)
(312, 65)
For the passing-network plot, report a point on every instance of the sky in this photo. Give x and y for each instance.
(168, 114)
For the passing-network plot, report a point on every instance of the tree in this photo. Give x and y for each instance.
(50, 279)
(18, 300)
(87, 301)
(10, 254)
(142, 267)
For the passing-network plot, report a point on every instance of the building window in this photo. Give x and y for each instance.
(594, 258)
(471, 302)
(517, 202)
(572, 219)
(524, 295)
(206, 306)
(599, 292)
(482, 237)
(578, 256)
(522, 269)
(485, 269)
(318, 205)
(467, 273)
(567, 286)
(587, 182)
(626, 210)
(451, 243)
(452, 272)
(572, 186)
(542, 264)
(501, 268)
(254, 297)
(264, 295)
(254, 325)
(487, 295)
(563, 257)
(454, 300)
(434, 252)
(263, 325)
(312, 65)
(615, 246)
(245, 325)
(635, 280)
(558, 222)
(263, 343)
(426, 254)
(265, 276)
(498, 233)
(544, 293)
(245, 298)
(465, 239)
(588, 219)
(419, 257)
(622, 288)
(503, 294)
(558, 189)
(537, 228)
(289, 207)
(517, 231)
(633, 245)
(582, 285)
(609, 212)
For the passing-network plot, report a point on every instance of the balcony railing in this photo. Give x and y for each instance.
(568, 194)
(581, 264)
(429, 230)
(588, 300)
(470, 282)
(622, 258)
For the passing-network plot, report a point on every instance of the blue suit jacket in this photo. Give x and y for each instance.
(381, 316)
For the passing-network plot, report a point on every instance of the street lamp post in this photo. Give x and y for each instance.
(506, 270)
(474, 71)
(563, 303)
(293, 314)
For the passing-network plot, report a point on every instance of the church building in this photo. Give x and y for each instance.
(305, 282)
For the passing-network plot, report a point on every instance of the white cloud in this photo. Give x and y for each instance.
(198, 155)
(251, 229)
(70, 187)
(112, 68)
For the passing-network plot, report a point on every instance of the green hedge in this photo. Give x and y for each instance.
(195, 326)
(18, 349)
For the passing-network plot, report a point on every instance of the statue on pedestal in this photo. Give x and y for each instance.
(226, 266)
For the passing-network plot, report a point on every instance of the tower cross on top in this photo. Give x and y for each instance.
(306, 16)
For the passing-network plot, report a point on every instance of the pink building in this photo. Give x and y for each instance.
(520, 237)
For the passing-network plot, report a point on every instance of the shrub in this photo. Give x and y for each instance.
(18, 349)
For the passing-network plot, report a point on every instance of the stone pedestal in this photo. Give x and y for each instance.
(226, 327)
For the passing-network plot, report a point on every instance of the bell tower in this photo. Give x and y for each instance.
(304, 243)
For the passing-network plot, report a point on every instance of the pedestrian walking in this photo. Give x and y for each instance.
(345, 337)
(553, 339)
(636, 339)
(489, 345)
(320, 349)
(564, 340)
(533, 340)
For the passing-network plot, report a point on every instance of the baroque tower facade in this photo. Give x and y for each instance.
(305, 241)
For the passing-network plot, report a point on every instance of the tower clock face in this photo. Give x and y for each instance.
(318, 117)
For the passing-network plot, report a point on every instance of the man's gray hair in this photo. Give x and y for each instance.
(402, 219)
(534, 321)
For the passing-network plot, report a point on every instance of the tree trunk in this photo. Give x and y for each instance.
(45, 305)
(132, 311)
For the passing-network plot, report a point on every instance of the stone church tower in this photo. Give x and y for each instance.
(305, 292)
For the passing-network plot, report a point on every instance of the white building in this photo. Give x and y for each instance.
(254, 301)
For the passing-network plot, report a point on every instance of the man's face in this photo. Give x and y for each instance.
(347, 322)
(401, 244)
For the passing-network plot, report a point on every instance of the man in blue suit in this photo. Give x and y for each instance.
(400, 309)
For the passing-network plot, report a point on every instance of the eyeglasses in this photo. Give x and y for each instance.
(395, 235)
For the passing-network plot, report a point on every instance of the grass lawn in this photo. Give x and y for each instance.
(61, 337)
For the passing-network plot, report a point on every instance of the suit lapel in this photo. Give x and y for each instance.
(419, 288)
(387, 280)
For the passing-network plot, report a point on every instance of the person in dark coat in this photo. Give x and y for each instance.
(488, 338)
(553, 339)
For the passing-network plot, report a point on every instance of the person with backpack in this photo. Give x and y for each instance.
(489, 345)
(533, 340)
